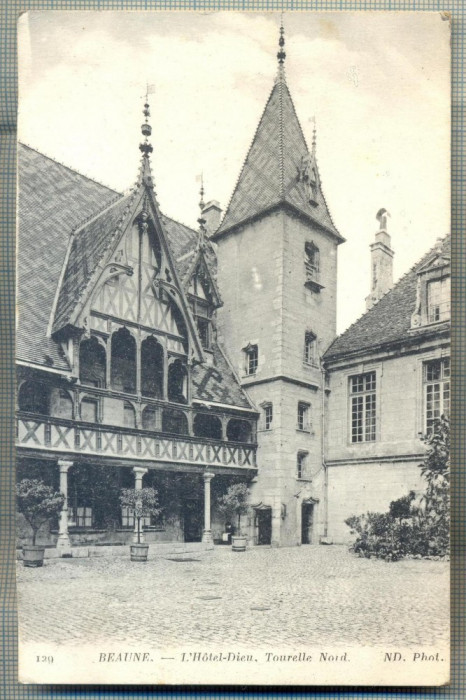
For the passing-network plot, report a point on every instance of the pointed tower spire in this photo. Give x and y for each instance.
(281, 55)
(280, 170)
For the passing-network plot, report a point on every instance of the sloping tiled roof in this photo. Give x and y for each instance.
(389, 320)
(218, 383)
(269, 176)
(87, 248)
(53, 200)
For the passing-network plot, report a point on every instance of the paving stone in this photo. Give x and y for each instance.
(302, 596)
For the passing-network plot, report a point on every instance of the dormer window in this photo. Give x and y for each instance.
(433, 292)
(438, 300)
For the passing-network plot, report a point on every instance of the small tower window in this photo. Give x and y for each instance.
(303, 416)
(310, 348)
(312, 258)
(252, 359)
(301, 464)
(268, 416)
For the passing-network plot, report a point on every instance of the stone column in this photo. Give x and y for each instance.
(63, 541)
(207, 534)
(138, 474)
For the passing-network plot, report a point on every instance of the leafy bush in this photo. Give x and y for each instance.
(419, 528)
(235, 502)
(142, 502)
(38, 503)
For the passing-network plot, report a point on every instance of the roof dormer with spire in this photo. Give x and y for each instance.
(279, 170)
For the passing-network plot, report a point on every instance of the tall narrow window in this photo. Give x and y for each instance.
(268, 416)
(438, 300)
(303, 416)
(252, 359)
(363, 407)
(436, 391)
(309, 348)
(301, 465)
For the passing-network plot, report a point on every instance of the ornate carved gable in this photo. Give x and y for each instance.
(134, 279)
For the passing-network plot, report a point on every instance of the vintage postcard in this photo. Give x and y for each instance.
(233, 452)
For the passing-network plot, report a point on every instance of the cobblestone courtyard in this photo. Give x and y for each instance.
(307, 595)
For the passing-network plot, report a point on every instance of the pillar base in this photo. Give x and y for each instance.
(63, 545)
(142, 539)
(207, 537)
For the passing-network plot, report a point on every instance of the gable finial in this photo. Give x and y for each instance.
(146, 129)
(202, 220)
(281, 55)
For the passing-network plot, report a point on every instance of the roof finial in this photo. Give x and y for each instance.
(201, 192)
(201, 220)
(281, 55)
(146, 129)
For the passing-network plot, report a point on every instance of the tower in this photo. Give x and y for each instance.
(277, 263)
(381, 261)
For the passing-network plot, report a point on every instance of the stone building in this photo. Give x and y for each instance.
(149, 353)
(388, 381)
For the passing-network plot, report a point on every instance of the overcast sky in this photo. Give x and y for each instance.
(378, 84)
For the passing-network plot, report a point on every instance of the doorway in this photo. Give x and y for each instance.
(193, 518)
(264, 525)
(307, 521)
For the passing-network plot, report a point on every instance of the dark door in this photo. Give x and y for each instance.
(307, 522)
(193, 517)
(264, 526)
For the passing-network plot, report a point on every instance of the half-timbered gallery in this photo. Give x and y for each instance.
(148, 353)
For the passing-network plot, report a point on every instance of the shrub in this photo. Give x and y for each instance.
(235, 502)
(411, 528)
(38, 503)
(142, 502)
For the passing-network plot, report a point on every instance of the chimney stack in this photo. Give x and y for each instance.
(212, 213)
(381, 261)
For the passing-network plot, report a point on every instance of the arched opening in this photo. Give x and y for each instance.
(207, 426)
(123, 364)
(149, 418)
(238, 430)
(61, 404)
(129, 415)
(34, 397)
(174, 422)
(151, 368)
(92, 362)
(178, 382)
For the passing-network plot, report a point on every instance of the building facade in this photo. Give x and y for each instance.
(149, 353)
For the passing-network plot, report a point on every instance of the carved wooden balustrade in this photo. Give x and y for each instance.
(46, 434)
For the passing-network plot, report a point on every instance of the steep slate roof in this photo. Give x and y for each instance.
(218, 383)
(389, 320)
(269, 176)
(54, 201)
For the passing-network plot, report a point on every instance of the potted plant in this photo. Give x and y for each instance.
(235, 503)
(38, 503)
(143, 503)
